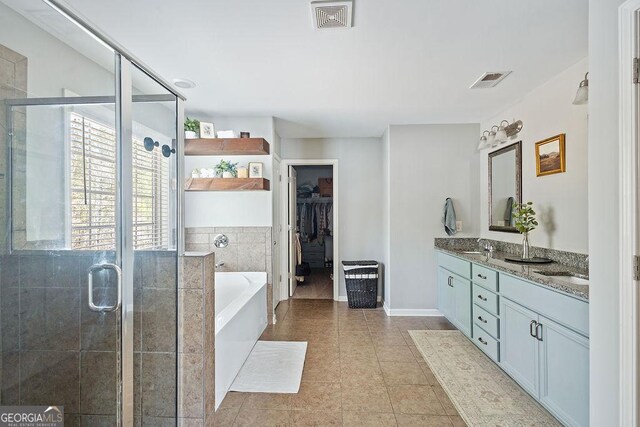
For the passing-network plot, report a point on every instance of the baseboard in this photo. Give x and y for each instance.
(343, 298)
(427, 312)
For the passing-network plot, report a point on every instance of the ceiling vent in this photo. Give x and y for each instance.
(489, 79)
(332, 14)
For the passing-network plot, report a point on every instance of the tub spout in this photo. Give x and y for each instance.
(219, 264)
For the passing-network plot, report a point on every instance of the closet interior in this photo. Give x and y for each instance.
(314, 223)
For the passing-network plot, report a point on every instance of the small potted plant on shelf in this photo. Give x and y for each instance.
(226, 169)
(525, 222)
(191, 128)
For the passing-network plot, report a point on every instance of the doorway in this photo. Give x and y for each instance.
(310, 213)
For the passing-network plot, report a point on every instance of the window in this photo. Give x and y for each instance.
(93, 189)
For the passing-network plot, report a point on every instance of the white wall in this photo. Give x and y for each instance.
(545, 112)
(604, 213)
(360, 191)
(232, 208)
(427, 164)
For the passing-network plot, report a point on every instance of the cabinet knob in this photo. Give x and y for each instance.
(482, 298)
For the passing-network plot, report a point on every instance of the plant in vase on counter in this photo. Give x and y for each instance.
(226, 169)
(191, 128)
(525, 221)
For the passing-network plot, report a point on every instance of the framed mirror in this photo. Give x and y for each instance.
(505, 186)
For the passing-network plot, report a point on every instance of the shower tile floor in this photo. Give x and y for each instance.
(362, 368)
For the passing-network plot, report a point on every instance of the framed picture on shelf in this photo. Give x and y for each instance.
(255, 170)
(550, 156)
(207, 130)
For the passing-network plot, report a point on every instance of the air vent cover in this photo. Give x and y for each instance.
(332, 14)
(489, 79)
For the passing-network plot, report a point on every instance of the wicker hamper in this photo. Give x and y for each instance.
(361, 278)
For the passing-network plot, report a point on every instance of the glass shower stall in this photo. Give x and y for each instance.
(90, 205)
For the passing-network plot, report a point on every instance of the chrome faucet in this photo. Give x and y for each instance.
(219, 264)
(487, 248)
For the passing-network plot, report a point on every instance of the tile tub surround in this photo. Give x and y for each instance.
(524, 271)
(196, 339)
(54, 346)
(361, 368)
(249, 249)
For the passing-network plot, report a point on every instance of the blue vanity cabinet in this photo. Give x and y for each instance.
(564, 373)
(537, 335)
(454, 291)
(519, 352)
(445, 293)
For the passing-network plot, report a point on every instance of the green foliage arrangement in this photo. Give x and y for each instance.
(225, 166)
(192, 125)
(525, 217)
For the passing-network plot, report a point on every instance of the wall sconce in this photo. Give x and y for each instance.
(499, 134)
(582, 95)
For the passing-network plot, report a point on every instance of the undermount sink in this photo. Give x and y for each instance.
(567, 276)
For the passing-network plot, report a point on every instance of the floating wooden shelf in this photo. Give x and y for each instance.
(227, 184)
(225, 146)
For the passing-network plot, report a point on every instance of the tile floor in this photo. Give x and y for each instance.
(318, 285)
(362, 368)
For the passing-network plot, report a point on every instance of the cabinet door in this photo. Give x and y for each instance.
(462, 304)
(445, 294)
(564, 373)
(519, 349)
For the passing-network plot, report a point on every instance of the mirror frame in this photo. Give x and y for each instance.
(517, 147)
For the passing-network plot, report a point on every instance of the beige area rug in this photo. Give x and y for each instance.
(483, 394)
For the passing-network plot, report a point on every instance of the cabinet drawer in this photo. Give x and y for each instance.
(486, 343)
(486, 321)
(484, 277)
(485, 299)
(455, 265)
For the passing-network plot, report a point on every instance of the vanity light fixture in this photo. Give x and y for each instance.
(499, 134)
(492, 137)
(483, 141)
(582, 95)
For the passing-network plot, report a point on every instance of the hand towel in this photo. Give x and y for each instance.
(508, 213)
(449, 217)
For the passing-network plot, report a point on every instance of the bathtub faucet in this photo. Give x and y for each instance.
(219, 264)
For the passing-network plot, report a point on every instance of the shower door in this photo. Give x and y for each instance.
(90, 208)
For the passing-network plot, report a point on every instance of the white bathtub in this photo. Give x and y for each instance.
(241, 317)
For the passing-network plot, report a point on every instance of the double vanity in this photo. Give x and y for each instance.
(531, 320)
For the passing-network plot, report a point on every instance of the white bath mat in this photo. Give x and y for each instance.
(272, 367)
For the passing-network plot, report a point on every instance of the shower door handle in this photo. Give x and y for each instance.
(105, 266)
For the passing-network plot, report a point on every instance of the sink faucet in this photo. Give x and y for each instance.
(486, 247)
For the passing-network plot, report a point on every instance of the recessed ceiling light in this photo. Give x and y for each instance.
(184, 83)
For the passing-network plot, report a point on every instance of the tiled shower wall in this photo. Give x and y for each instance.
(55, 348)
(249, 250)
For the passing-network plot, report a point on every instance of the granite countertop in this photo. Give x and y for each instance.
(526, 271)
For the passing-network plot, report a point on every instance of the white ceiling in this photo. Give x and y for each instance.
(404, 61)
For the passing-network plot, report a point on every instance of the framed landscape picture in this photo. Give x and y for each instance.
(550, 156)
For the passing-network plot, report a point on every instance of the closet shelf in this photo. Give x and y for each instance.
(226, 146)
(315, 200)
(227, 184)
